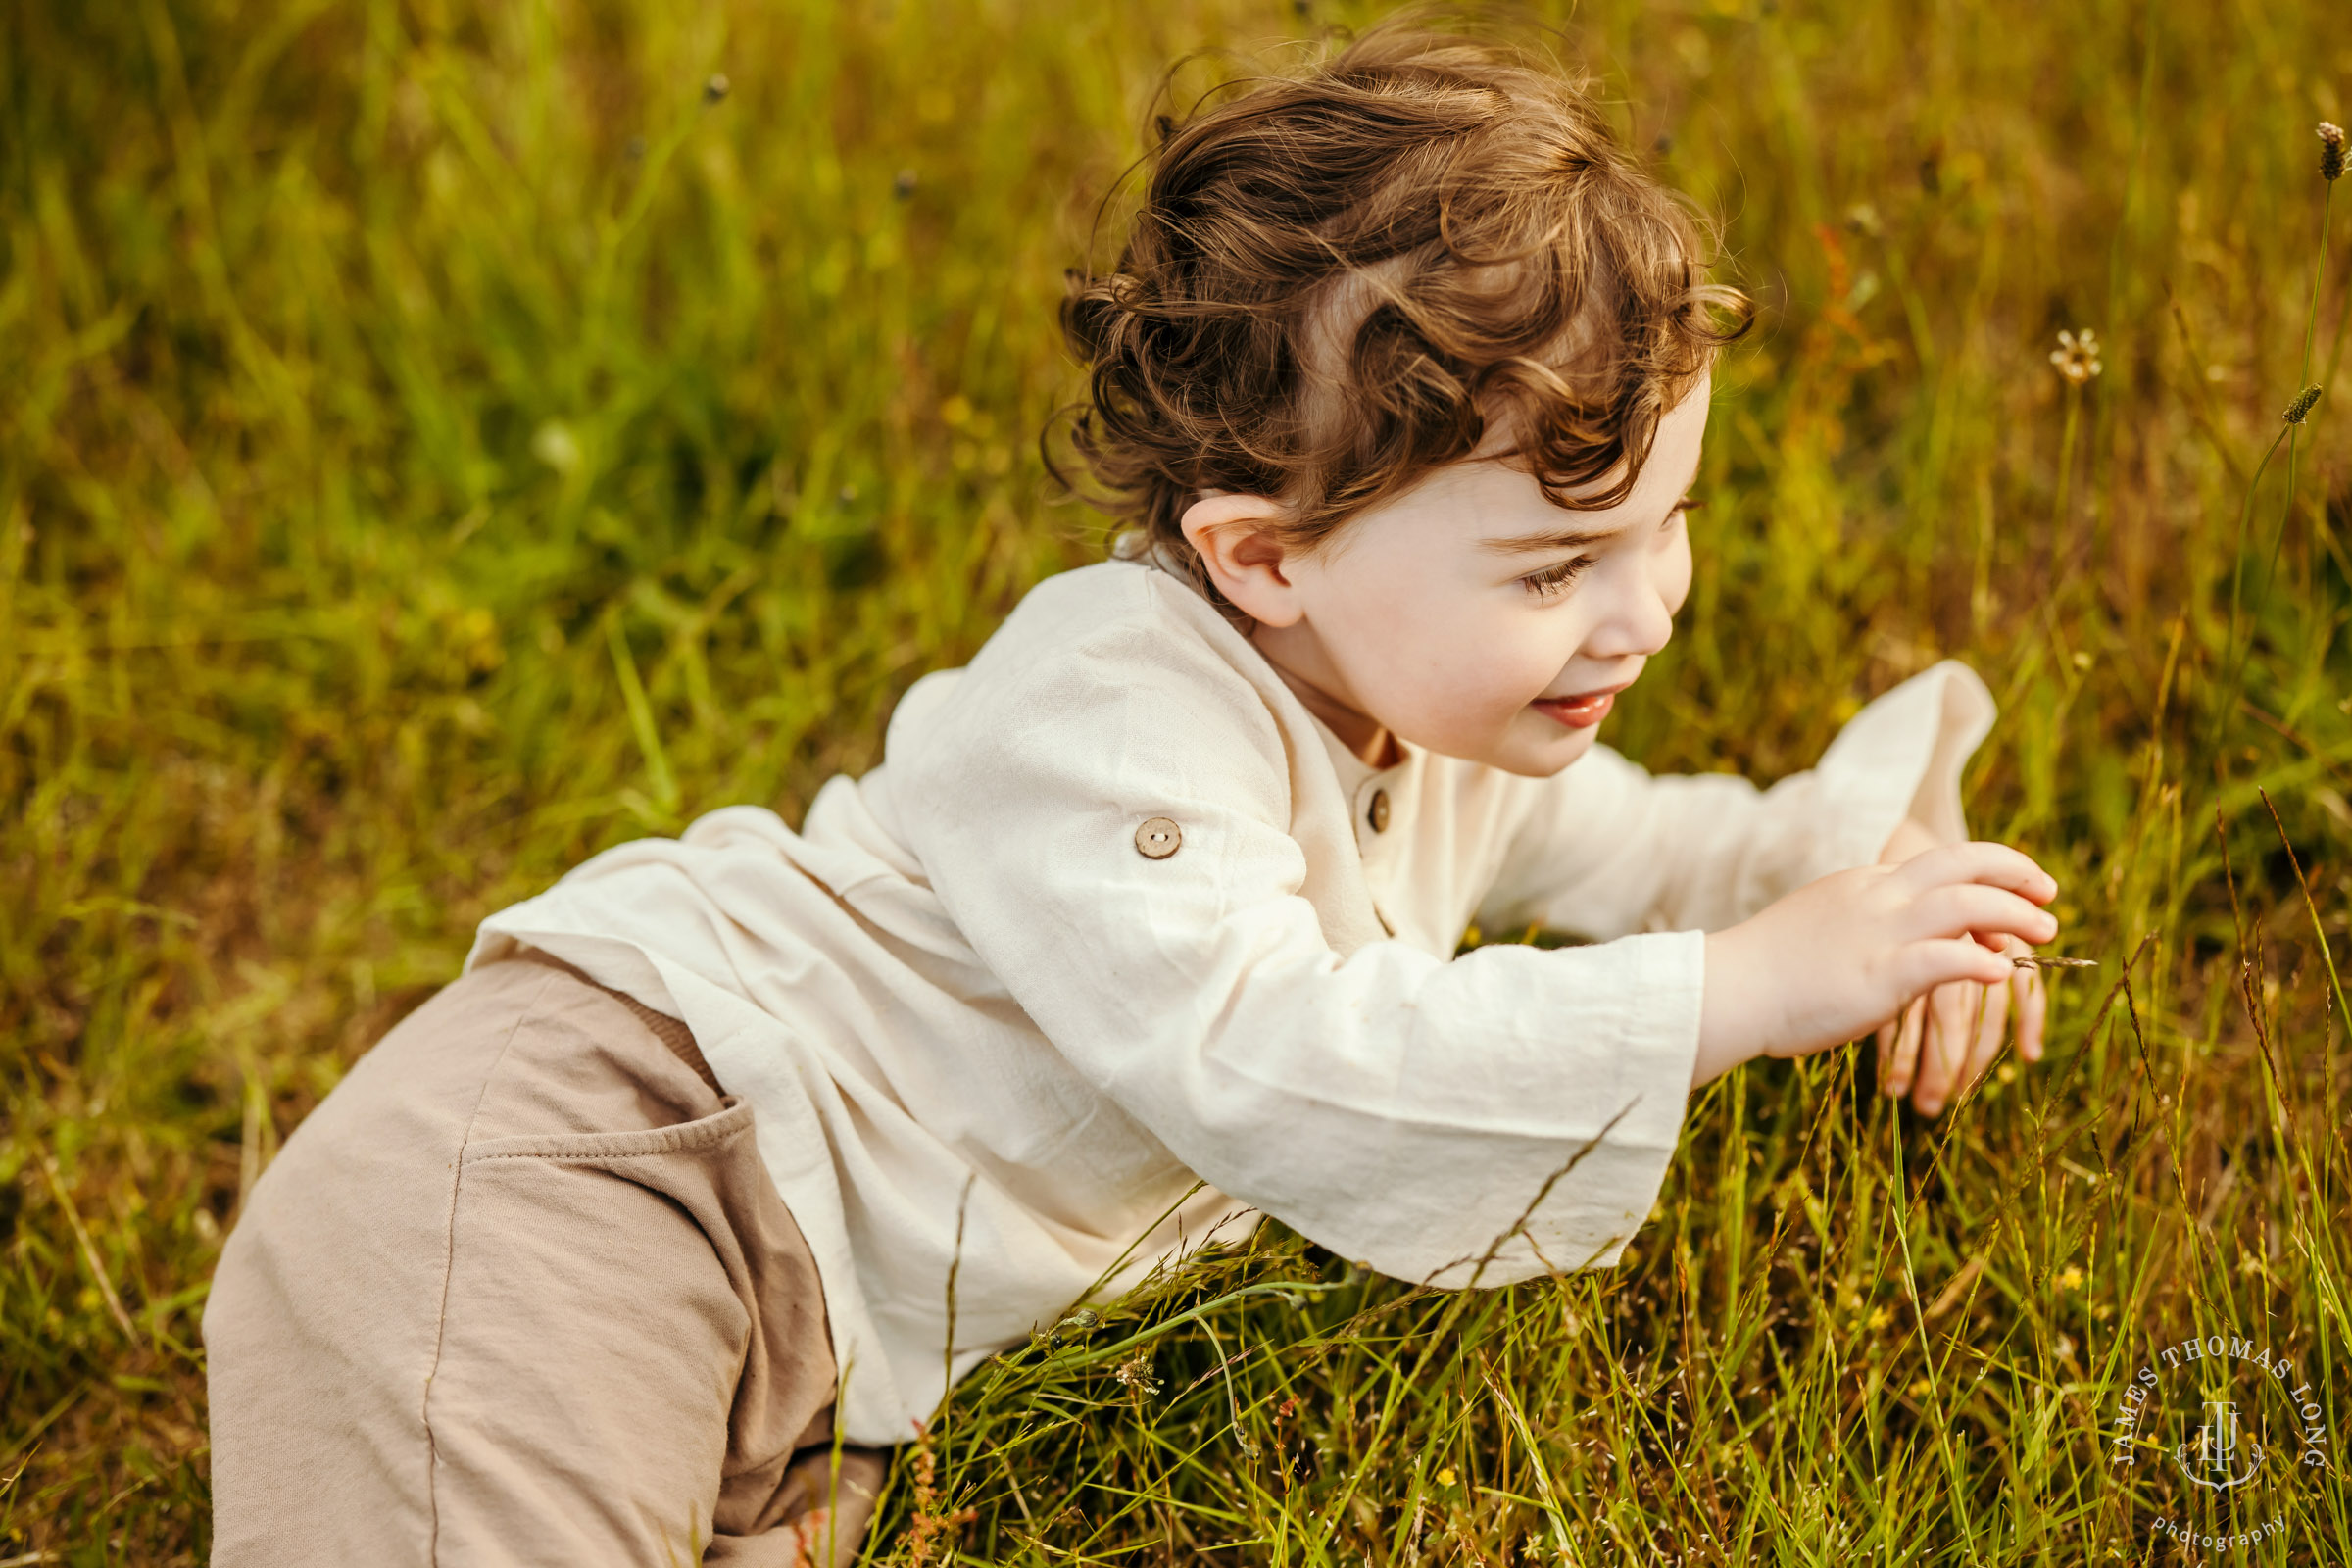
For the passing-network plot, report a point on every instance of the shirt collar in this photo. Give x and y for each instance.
(1354, 773)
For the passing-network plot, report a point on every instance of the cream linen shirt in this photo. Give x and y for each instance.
(960, 991)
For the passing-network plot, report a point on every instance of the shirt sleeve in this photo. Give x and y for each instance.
(1478, 1121)
(1607, 849)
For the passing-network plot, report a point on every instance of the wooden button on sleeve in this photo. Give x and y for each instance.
(1158, 838)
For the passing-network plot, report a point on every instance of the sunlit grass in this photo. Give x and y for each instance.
(437, 444)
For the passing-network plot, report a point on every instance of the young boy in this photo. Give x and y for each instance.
(1400, 379)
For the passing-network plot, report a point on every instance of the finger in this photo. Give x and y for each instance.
(2033, 1006)
(1960, 1008)
(1925, 965)
(1992, 1022)
(1887, 1033)
(1964, 1018)
(1945, 1053)
(1927, 1085)
(1897, 1081)
(1993, 864)
(1962, 909)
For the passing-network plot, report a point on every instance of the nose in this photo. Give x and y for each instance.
(1638, 619)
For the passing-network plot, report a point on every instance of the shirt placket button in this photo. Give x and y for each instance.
(1377, 814)
(1158, 838)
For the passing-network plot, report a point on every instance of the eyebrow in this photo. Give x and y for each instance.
(1532, 544)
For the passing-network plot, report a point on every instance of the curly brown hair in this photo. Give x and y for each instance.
(1338, 280)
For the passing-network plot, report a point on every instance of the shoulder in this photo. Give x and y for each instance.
(1114, 610)
(1118, 655)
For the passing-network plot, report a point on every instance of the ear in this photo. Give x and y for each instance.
(1245, 555)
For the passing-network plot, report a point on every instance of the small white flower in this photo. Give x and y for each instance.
(2077, 356)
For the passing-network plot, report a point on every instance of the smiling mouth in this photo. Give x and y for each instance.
(1583, 711)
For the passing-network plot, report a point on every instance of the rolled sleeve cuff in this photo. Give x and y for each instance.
(1900, 757)
(1595, 1191)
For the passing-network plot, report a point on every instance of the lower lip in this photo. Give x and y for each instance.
(1582, 712)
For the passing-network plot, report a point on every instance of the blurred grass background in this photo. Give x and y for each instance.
(439, 441)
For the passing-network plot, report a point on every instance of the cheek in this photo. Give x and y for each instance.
(1492, 664)
(1450, 667)
(1532, 652)
(1444, 651)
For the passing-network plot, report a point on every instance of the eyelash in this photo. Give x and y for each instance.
(1552, 579)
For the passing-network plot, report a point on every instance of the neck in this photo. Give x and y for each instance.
(1372, 742)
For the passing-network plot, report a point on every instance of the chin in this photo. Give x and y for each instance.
(1541, 756)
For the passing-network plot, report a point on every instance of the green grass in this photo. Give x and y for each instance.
(438, 443)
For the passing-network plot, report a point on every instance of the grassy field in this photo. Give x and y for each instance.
(439, 442)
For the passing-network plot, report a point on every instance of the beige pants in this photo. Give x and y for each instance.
(521, 1292)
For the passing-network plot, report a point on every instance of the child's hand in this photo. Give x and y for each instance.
(1840, 958)
(1944, 1042)
(1958, 1026)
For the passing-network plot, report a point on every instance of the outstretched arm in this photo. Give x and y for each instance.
(1606, 848)
(1840, 956)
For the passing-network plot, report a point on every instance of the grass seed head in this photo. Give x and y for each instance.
(2331, 151)
(2077, 356)
(2300, 409)
(1136, 1372)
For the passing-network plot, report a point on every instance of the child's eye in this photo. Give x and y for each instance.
(1552, 579)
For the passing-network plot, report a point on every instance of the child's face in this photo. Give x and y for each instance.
(1475, 619)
